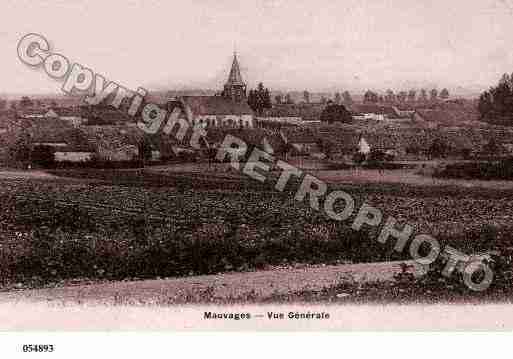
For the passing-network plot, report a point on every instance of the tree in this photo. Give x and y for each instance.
(493, 148)
(434, 95)
(306, 96)
(278, 99)
(336, 113)
(485, 105)
(390, 96)
(412, 95)
(438, 149)
(327, 146)
(423, 96)
(266, 99)
(26, 102)
(497, 102)
(338, 98)
(145, 150)
(444, 94)
(401, 97)
(43, 155)
(259, 99)
(370, 97)
(252, 100)
(324, 100)
(288, 99)
(20, 151)
(347, 98)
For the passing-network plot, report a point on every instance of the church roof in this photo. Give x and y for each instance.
(235, 77)
(216, 105)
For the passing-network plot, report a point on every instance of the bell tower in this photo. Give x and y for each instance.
(235, 88)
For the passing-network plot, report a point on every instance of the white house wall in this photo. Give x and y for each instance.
(224, 120)
(73, 156)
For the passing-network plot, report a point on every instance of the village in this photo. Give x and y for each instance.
(328, 132)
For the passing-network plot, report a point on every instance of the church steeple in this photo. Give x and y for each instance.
(235, 88)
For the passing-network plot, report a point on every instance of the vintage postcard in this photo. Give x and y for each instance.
(259, 165)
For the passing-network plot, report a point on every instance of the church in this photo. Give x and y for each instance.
(229, 109)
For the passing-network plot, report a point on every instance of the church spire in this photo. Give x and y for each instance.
(235, 77)
(235, 88)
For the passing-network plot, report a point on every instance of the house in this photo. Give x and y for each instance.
(269, 141)
(114, 143)
(78, 149)
(363, 146)
(51, 132)
(302, 141)
(102, 115)
(32, 113)
(63, 139)
(72, 115)
(82, 143)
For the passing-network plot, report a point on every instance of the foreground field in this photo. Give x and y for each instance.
(120, 225)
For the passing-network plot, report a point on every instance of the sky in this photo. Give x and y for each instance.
(288, 45)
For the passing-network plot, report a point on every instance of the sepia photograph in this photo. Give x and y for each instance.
(262, 165)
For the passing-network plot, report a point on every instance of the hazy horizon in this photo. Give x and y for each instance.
(288, 45)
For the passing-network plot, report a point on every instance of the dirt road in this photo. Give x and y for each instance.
(216, 288)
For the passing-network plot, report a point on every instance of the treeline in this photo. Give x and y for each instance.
(496, 104)
(338, 98)
(410, 96)
(389, 97)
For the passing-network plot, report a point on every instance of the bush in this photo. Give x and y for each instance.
(439, 149)
(43, 156)
(502, 169)
(359, 158)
